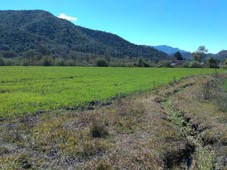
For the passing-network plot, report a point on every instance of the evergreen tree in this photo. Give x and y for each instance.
(178, 56)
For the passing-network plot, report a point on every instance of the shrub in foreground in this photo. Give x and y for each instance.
(98, 130)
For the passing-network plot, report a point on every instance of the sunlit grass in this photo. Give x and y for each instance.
(30, 89)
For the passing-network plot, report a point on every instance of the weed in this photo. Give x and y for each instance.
(103, 166)
(3, 150)
(98, 130)
(204, 157)
(214, 90)
(225, 85)
(222, 102)
(207, 90)
(93, 147)
(172, 158)
(23, 161)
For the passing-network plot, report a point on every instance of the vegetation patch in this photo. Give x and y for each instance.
(225, 85)
(171, 127)
(204, 106)
(98, 130)
(34, 89)
(129, 133)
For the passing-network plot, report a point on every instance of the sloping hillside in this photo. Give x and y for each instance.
(171, 51)
(222, 55)
(39, 33)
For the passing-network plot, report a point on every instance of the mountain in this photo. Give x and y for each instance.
(171, 51)
(37, 33)
(222, 55)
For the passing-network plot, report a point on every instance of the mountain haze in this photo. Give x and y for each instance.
(39, 33)
(222, 55)
(171, 51)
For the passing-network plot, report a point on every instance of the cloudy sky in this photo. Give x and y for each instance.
(186, 24)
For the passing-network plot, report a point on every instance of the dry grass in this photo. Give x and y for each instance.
(204, 105)
(136, 132)
(132, 133)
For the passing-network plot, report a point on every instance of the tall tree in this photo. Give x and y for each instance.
(178, 56)
(212, 62)
(200, 53)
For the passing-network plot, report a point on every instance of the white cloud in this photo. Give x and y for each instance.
(63, 16)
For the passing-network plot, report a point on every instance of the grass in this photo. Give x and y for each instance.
(131, 133)
(32, 89)
(146, 131)
(225, 85)
(208, 119)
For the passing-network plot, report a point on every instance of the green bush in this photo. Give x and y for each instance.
(213, 63)
(195, 64)
(101, 63)
(2, 63)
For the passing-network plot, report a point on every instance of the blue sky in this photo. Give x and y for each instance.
(186, 24)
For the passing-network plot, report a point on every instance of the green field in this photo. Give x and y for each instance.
(31, 89)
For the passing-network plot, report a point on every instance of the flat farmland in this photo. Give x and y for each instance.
(32, 89)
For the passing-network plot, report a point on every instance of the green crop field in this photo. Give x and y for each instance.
(31, 89)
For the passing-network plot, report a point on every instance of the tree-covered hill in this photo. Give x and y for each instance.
(36, 33)
(222, 55)
(171, 51)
